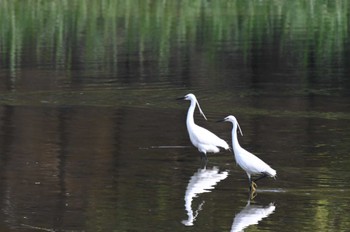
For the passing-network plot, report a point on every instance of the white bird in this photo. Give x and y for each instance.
(250, 163)
(200, 137)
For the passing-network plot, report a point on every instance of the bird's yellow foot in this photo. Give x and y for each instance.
(253, 186)
(253, 194)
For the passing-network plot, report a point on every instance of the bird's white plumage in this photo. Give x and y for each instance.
(250, 163)
(205, 140)
(200, 137)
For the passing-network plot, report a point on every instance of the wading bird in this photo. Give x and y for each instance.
(200, 137)
(251, 164)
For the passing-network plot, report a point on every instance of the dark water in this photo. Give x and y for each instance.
(92, 138)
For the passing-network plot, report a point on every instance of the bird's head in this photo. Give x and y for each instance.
(233, 120)
(191, 97)
(188, 97)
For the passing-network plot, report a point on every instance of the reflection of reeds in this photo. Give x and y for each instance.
(81, 31)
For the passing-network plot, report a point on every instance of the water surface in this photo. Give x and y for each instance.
(92, 138)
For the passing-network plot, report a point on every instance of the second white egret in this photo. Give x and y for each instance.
(200, 137)
(250, 163)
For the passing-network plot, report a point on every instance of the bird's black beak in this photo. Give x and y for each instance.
(180, 98)
(221, 120)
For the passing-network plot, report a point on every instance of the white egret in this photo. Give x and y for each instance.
(200, 137)
(250, 163)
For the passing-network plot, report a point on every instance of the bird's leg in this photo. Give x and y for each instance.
(252, 188)
(252, 185)
(253, 194)
(204, 159)
(263, 175)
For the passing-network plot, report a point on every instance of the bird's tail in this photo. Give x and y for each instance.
(272, 173)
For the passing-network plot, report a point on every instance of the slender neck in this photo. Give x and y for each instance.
(235, 143)
(190, 113)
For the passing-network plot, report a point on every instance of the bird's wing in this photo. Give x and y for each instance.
(205, 136)
(254, 164)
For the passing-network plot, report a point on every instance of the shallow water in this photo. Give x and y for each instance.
(92, 138)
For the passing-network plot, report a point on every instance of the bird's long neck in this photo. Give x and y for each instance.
(235, 143)
(190, 113)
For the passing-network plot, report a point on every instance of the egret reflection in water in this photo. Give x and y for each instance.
(202, 181)
(251, 215)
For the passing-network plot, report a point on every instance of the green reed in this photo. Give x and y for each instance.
(82, 31)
